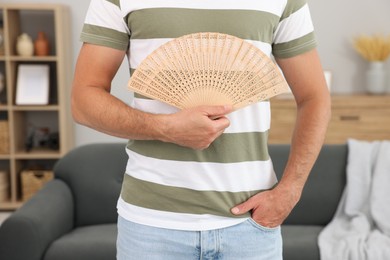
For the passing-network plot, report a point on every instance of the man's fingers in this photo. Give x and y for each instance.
(195, 127)
(243, 207)
(221, 123)
(215, 112)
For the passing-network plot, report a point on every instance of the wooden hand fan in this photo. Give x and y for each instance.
(208, 69)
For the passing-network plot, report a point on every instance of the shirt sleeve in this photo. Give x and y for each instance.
(105, 25)
(295, 32)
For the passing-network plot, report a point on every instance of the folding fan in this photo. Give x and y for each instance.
(208, 69)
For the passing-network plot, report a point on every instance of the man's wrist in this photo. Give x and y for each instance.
(159, 127)
(290, 189)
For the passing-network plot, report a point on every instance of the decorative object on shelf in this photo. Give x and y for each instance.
(41, 137)
(41, 45)
(32, 84)
(376, 78)
(33, 180)
(375, 50)
(53, 141)
(29, 142)
(24, 45)
(208, 69)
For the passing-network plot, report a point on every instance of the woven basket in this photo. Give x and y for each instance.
(4, 137)
(33, 181)
(4, 186)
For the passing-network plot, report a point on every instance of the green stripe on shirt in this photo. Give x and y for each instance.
(115, 2)
(182, 200)
(228, 148)
(294, 47)
(104, 36)
(175, 22)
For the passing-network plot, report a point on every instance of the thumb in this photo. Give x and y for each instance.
(243, 208)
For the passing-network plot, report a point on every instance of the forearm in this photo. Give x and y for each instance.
(305, 76)
(310, 128)
(96, 108)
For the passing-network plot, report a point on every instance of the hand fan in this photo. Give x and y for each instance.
(208, 69)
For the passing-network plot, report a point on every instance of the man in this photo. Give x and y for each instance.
(198, 188)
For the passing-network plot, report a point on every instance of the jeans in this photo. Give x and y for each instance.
(245, 241)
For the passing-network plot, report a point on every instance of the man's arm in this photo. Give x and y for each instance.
(95, 107)
(304, 74)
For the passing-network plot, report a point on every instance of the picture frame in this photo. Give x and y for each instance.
(32, 85)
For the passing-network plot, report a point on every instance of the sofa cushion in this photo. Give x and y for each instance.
(94, 174)
(96, 242)
(300, 242)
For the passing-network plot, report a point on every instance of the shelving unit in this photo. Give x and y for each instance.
(53, 118)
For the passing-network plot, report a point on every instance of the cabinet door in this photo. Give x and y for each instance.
(359, 123)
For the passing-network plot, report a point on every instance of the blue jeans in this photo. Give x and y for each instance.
(245, 241)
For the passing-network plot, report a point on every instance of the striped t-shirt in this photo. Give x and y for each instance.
(170, 186)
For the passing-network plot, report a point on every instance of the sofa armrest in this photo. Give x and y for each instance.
(28, 232)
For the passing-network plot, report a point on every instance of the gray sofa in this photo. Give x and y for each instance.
(74, 216)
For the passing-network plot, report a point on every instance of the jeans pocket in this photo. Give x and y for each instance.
(261, 227)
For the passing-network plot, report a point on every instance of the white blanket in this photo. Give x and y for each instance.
(360, 229)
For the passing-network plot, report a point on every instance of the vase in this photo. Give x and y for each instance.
(41, 45)
(376, 78)
(24, 45)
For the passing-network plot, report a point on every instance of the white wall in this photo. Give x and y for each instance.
(336, 22)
